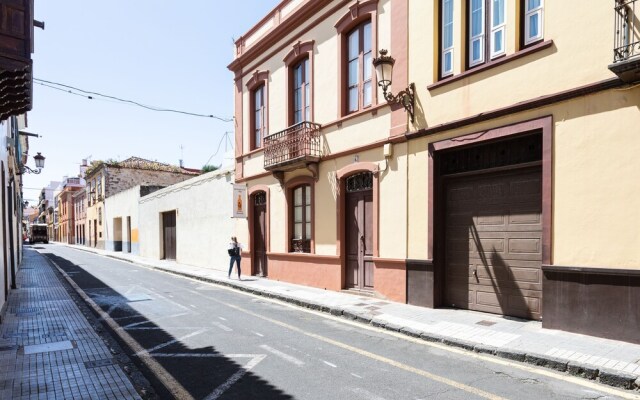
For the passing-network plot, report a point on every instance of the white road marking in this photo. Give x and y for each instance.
(330, 364)
(191, 305)
(282, 355)
(235, 377)
(259, 334)
(357, 376)
(203, 355)
(164, 328)
(156, 319)
(170, 342)
(366, 394)
(223, 319)
(223, 327)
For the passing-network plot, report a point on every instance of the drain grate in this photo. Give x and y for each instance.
(485, 323)
(98, 363)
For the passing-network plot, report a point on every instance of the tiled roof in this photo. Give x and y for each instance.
(141, 163)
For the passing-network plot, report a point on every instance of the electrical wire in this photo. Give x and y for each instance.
(88, 94)
(226, 135)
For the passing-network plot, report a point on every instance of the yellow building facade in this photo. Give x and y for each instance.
(508, 184)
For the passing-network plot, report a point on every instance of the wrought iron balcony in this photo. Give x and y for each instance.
(293, 147)
(626, 46)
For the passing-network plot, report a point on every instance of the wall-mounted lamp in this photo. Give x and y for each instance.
(384, 72)
(39, 158)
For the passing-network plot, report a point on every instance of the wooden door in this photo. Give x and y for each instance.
(169, 235)
(359, 235)
(259, 234)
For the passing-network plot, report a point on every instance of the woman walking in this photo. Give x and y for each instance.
(234, 250)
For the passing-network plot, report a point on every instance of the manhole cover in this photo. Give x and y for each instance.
(485, 323)
(26, 312)
(98, 363)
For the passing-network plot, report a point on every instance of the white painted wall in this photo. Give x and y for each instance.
(121, 205)
(203, 220)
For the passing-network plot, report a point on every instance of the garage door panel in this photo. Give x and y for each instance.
(494, 227)
(531, 246)
(525, 187)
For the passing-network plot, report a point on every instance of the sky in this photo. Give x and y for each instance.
(166, 53)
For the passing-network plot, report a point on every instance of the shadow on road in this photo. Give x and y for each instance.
(203, 372)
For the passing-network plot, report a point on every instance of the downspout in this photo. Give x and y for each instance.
(11, 244)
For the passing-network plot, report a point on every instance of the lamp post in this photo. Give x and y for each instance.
(39, 159)
(384, 72)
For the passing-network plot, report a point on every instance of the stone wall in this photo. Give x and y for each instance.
(120, 179)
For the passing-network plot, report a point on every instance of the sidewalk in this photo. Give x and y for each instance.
(611, 362)
(48, 348)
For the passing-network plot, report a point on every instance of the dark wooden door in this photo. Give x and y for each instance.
(359, 235)
(493, 246)
(169, 235)
(95, 233)
(259, 234)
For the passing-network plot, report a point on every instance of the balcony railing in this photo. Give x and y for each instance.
(300, 143)
(626, 40)
(626, 45)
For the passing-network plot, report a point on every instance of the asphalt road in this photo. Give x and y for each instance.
(194, 340)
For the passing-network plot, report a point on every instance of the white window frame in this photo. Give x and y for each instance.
(480, 37)
(446, 51)
(527, 16)
(498, 28)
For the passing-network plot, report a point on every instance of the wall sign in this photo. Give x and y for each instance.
(239, 201)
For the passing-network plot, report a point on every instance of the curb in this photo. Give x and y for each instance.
(605, 376)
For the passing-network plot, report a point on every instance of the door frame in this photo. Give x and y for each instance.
(247, 252)
(341, 175)
(435, 202)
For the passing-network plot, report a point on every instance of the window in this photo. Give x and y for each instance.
(447, 38)
(486, 43)
(359, 68)
(301, 238)
(532, 21)
(301, 92)
(257, 87)
(258, 117)
(299, 63)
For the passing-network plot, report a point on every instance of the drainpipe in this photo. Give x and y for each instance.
(11, 244)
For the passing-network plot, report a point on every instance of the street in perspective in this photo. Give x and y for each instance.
(320, 199)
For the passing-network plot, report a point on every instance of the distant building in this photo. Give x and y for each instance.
(106, 178)
(66, 206)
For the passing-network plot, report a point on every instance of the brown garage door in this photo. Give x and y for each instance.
(494, 243)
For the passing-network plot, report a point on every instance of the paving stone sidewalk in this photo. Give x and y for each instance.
(610, 362)
(48, 348)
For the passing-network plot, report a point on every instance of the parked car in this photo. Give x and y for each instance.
(38, 234)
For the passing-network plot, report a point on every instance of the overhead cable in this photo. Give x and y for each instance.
(89, 95)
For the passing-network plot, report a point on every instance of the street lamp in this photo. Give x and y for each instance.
(39, 158)
(384, 71)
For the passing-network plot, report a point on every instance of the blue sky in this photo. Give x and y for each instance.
(170, 53)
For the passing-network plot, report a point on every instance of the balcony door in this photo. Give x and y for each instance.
(359, 232)
(259, 251)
